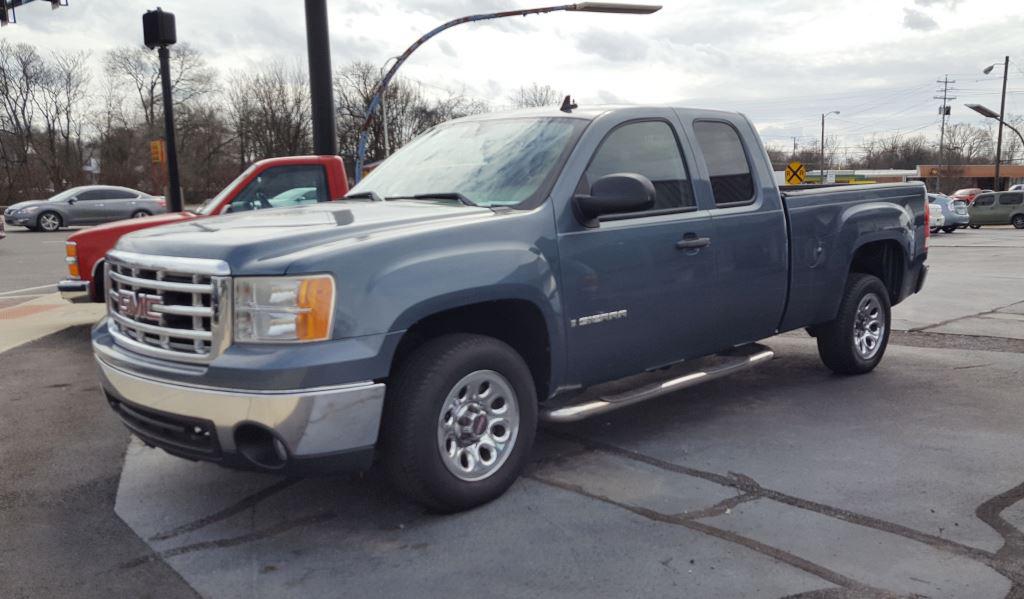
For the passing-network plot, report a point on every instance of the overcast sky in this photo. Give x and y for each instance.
(783, 62)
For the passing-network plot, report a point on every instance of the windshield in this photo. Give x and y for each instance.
(492, 163)
(67, 193)
(207, 207)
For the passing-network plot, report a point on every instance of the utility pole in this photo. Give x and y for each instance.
(794, 147)
(944, 111)
(1002, 116)
(823, 115)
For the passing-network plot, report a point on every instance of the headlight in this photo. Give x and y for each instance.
(29, 210)
(284, 309)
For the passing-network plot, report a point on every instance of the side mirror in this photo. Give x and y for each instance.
(72, 200)
(615, 193)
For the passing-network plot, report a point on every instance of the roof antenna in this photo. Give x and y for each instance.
(567, 105)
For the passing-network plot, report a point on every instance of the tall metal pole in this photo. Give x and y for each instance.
(321, 91)
(999, 136)
(944, 111)
(822, 149)
(174, 203)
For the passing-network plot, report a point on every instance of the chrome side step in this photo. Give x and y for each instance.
(626, 392)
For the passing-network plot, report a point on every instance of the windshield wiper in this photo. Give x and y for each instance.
(453, 195)
(370, 195)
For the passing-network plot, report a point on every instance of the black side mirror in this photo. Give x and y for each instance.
(72, 200)
(615, 193)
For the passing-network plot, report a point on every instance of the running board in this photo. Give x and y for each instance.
(635, 389)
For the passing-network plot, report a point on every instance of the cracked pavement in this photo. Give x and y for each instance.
(783, 481)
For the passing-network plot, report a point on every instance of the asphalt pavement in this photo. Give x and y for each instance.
(783, 481)
(31, 262)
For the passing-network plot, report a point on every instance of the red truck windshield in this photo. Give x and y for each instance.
(503, 162)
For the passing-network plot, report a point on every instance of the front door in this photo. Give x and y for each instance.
(984, 210)
(635, 297)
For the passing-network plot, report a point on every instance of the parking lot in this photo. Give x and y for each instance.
(782, 481)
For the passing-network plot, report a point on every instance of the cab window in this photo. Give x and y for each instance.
(731, 179)
(282, 187)
(647, 148)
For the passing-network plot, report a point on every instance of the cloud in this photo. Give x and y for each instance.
(447, 49)
(915, 19)
(612, 46)
(950, 4)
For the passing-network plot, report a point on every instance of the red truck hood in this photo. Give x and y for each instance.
(116, 229)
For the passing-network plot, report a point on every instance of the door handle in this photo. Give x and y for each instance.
(691, 242)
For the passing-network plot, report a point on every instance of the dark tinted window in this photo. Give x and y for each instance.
(121, 194)
(94, 194)
(283, 186)
(1011, 199)
(731, 181)
(649, 149)
(984, 200)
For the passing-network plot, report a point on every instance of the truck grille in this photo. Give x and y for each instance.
(167, 307)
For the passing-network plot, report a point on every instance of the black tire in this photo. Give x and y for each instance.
(934, 229)
(950, 229)
(1017, 221)
(837, 345)
(411, 429)
(140, 214)
(974, 226)
(49, 221)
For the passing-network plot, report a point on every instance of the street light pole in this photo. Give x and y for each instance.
(318, 46)
(1002, 114)
(989, 113)
(822, 170)
(375, 100)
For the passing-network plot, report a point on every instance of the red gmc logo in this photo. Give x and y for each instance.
(138, 305)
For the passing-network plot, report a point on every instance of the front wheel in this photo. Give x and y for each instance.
(974, 226)
(855, 341)
(49, 222)
(459, 421)
(935, 229)
(1017, 221)
(949, 229)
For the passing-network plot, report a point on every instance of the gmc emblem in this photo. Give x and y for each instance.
(138, 305)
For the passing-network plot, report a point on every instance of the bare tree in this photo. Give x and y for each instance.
(534, 95)
(270, 112)
(21, 74)
(63, 90)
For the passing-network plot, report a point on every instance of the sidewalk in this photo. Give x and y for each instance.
(29, 320)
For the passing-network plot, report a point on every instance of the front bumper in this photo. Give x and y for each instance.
(74, 290)
(300, 431)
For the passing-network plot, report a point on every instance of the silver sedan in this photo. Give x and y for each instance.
(86, 205)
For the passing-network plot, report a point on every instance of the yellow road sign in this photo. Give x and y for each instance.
(795, 173)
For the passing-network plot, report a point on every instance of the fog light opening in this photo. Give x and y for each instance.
(258, 445)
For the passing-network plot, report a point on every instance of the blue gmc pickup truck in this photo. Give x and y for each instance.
(498, 271)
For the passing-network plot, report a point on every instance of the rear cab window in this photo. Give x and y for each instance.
(732, 181)
(651, 149)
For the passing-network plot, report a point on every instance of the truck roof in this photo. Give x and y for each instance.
(591, 112)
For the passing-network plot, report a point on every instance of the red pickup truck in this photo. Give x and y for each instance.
(270, 183)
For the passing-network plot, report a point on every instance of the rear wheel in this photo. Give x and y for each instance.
(140, 214)
(935, 229)
(1017, 221)
(974, 226)
(459, 420)
(855, 341)
(49, 222)
(949, 229)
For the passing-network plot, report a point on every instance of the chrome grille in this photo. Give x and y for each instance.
(168, 307)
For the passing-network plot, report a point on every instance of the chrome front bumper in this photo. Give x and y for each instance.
(74, 290)
(309, 423)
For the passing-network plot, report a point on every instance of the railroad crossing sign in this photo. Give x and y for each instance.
(795, 173)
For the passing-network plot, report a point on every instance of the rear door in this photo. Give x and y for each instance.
(1009, 204)
(121, 203)
(750, 236)
(634, 299)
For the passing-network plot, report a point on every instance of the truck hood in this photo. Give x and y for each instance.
(120, 227)
(264, 242)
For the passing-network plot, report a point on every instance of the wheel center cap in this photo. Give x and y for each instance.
(479, 425)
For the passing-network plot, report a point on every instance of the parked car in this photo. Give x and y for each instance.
(936, 220)
(1017, 187)
(967, 194)
(85, 205)
(497, 270)
(954, 212)
(268, 183)
(1002, 208)
(3, 228)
